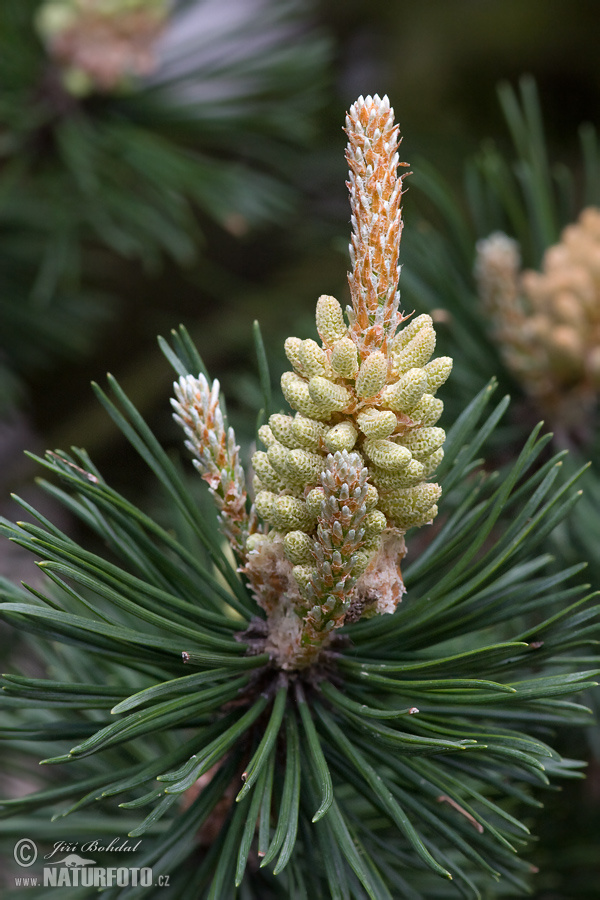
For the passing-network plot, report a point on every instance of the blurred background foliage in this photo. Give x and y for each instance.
(211, 193)
(272, 234)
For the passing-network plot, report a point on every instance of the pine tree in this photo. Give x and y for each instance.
(298, 715)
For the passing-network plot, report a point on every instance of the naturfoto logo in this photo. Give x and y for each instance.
(66, 867)
(76, 873)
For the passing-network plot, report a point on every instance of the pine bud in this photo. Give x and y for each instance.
(423, 441)
(290, 514)
(295, 391)
(255, 542)
(406, 334)
(372, 374)
(412, 474)
(376, 423)
(428, 410)
(282, 429)
(298, 548)
(314, 501)
(417, 352)
(373, 524)
(371, 497)
(341, 437)
(303, 575)
(406, 392)
(437, 372)
(328, 395)
(292, 347)
(305, 466)
(330, 320)
(313, 359)
(264, 504)
(279, 458)
(344, 358)
(265, 435)
(308, 433)
(360, 562)
(411, 506)
(265, 471)
(387, 455)
(431, 463)
(258, 485)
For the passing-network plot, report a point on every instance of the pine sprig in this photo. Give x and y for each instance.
(424, 725)
(294, 725)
